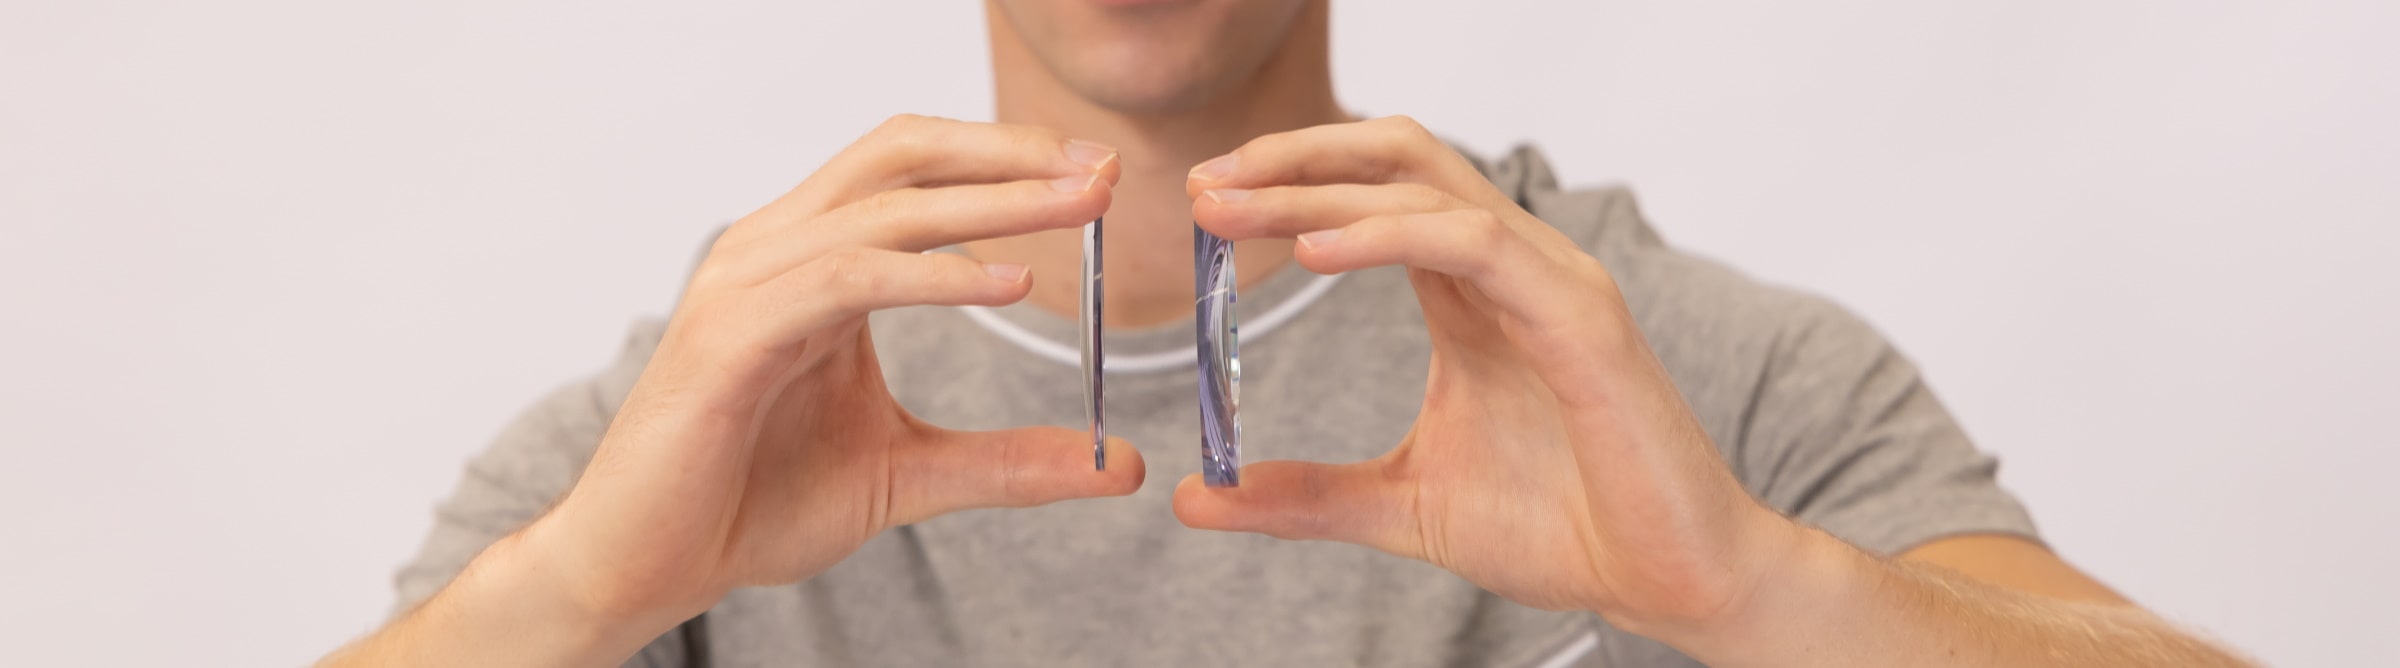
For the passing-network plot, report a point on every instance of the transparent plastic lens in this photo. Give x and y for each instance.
(1220, 361)
(1092, 363)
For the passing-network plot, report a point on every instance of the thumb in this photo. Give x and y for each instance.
(960, 470)
(1361, 503)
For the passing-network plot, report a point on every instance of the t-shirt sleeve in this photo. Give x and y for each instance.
(533, 462)
(1844, 434)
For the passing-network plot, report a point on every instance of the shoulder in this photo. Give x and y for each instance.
(1680, 299)
(1730, 340)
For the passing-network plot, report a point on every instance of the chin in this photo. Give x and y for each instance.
(1145, 81)
(1152, 57)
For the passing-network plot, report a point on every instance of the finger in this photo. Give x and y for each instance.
(1383, 150)
(1352, 503)
(921, 219)
(959, 470)
(1473, 245)
(920, 151)
(854, 281)
(1287, 211)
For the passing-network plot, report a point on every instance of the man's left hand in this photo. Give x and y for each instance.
(1553, 461)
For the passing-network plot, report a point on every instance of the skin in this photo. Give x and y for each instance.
(1065, 65)
(760, 446)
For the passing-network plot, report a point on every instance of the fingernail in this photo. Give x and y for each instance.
(1223, 195)
(1216, 168)
(1090, 154)
(1074, 184)
(1006, 272)
(1320, 238)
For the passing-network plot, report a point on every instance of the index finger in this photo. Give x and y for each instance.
(1391, 149)
(923, 151)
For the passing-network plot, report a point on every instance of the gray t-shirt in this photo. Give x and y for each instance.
(1814, 411)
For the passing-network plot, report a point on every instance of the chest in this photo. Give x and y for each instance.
(1121, 581)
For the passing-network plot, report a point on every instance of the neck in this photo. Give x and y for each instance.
(1149, 258)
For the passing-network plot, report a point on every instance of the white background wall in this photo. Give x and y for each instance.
(271, 269)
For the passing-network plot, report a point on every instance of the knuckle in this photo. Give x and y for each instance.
(1012, 473)
(843, 261)
(941, 273)
(1380, 231)
(693, 315)
(902, 137)
(733, 236)
(712, 273)
(1269, 140)
(1033, 136)
(858, 280)
(1421, 197)
(1486, 228)
(844, 277)
(900, 123)
(1414, 143)
(1263, 148)
(1266, 143)
(1592, 271)
(906, 146)
(954, 267)
(1314, 517)
(1034, 147)
(885, 208)
(1488, 234)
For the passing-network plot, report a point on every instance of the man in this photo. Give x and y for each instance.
(1621, 454)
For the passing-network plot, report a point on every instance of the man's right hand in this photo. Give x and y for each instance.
(761, 445)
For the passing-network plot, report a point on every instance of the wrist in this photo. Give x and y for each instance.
(592, 586)
(1794, 602)
(525, 592)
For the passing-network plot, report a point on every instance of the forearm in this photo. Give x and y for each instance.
(1832, 604)
(506, 608)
